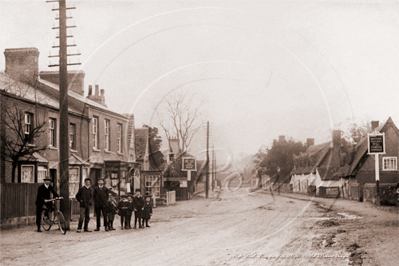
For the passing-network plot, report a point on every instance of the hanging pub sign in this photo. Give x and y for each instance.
(189, 164)
(376, 143)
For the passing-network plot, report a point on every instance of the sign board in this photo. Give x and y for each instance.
(189, 164)
(183, 183)
(376, 143)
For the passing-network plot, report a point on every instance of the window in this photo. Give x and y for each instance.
(27, 174)
(152, 185)
(72, 136)
(41, 174)
(52, 132)
(119, 135)
(106, 134)
(28, 127)
(95, 133)
(390, 163)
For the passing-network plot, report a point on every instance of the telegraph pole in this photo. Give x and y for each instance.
(207, 162)
(63, 98)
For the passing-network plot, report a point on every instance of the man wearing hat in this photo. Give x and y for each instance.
(100, 196)
(43, 198)
(84, 196)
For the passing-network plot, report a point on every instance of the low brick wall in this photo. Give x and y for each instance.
(388, 194)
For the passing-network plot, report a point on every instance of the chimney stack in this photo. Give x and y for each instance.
(336, 139)
(281, 138)
(97, 90)
(97, 97)
(76, 79)
(22, 63)
(374, 125)
(310, 142)
(90, 90)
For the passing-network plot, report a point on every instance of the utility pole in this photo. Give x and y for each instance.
(207, 162)
(63, 98)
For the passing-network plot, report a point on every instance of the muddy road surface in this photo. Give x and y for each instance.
(239, 228)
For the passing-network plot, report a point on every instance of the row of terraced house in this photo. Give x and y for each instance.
(338, 169)
(103, 143)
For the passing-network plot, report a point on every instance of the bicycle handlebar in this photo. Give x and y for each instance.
(59, 198)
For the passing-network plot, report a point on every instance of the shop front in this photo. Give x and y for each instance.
(117, 176)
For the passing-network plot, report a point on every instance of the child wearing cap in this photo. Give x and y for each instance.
(112, 207)
(147, 212)
(129, 214)
(123, 209)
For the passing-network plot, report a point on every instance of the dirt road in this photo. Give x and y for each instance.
(237, 228)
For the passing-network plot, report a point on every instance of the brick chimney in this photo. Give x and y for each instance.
(281, 138)
(22, 63)
(97, 97)
(374, 125)
(75, 79)
(309, 142)
(336, 139)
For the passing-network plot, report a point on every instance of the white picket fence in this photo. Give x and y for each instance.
(170, 197)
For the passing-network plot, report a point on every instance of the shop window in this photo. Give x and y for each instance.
(390, 164)
(152, 185)
(27, 174)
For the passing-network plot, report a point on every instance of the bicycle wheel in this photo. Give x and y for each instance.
(46, 222)
(233, 182)
(61, 222)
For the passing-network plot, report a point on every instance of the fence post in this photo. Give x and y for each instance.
(27, 193)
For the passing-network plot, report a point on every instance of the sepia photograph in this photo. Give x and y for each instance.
(199, 132)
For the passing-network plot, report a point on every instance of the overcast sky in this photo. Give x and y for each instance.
(263, 68)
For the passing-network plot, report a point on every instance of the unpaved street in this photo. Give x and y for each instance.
(237, 228)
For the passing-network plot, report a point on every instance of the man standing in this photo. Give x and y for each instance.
(43, 198)
(84, 196)
(138, 206)
(100, 203)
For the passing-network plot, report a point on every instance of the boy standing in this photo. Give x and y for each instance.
(124, 207)
(138, 205)
(84, 196)
(147, 212)
(112, 207)
(129, 214)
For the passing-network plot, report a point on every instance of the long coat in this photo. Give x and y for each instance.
(100, 196)
(43, 193)
(147, 212)
(124, 207)
(138, 203)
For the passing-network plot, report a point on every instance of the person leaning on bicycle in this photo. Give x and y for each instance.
(43, 200)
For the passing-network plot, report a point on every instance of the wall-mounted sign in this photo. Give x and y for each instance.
(189, 164)
(376, 143)
(183, 183)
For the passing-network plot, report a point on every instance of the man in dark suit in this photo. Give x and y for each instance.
(43, 198)
(100, 203)
(138, 205)
(84, 196)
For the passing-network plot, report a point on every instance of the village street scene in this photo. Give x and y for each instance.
(199, 133)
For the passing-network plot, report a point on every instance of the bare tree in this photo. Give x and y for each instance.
(180, 117)
(18, 137)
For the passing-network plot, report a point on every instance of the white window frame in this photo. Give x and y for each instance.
(41, 174)
(106, 135)
(28, 124)
(53, 132)
(391, 162)
(95, 132)
(149, 180)
(119, 136)
(32, 178)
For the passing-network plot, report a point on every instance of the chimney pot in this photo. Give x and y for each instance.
(310, 142)
(97, 90)
(90, 90)
(102, 92)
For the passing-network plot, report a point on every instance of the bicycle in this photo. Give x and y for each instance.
(58, 218)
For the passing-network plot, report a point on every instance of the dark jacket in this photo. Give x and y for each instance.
(100, 196)
(138, 203)
(124, 207)
(146, 214)
(84, 196)
(43, 193)
(111, 209)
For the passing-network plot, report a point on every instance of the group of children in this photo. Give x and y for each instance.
(127, 204)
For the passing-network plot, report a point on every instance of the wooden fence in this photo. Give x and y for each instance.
(18, 201)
